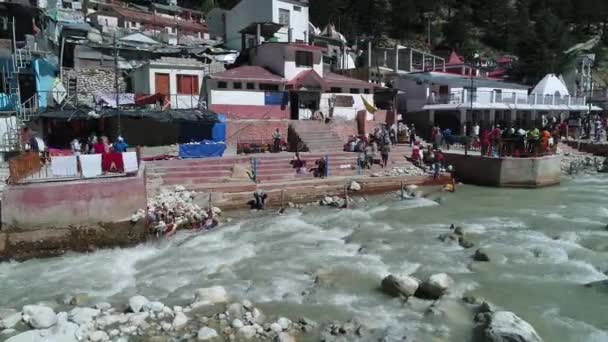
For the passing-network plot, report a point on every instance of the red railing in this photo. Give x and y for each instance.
(23, 166)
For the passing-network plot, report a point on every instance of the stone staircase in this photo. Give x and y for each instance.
(278, 168)
(317, 136)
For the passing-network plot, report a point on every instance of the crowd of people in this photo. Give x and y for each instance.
(373, 148)
(98, 145)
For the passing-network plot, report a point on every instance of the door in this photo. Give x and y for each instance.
(162, 86)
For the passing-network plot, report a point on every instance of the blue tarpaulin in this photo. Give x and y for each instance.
(218, 132)
(204, 149)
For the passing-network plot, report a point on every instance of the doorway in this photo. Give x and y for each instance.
(304, 104)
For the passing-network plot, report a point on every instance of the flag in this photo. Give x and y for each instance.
(370, 107)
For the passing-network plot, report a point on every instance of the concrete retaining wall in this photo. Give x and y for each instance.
(64, 204)
(506, 172)
(588, 147)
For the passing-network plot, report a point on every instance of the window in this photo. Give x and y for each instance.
(187, 84)
(222, 85)
(250, 86)
(269, 87)
(498, 93)
(303, 59)
(335, 90)
(4, 23)
(284, 17)
(366, 91)
(237, 85)
(297, 9)
(354, 91)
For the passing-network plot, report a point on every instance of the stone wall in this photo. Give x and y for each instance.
(240, 130)
(506, 172)
(93, 81)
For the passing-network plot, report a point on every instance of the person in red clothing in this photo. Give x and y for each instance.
(99, 147)
(437, 163)
(485, 142)
(415, 158)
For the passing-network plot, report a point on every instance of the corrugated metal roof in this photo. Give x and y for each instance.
(455, 81)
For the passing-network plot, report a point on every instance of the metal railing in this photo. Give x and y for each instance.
(513, 98)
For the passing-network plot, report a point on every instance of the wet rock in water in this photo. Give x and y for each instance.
(307, 321)
(138, 303)
(77, 299)
(459, 231)
(347, 331)
(206, 333)
(464, 243)
(481, 256)
(211, 295)
(157, 306)
(599, 285)
(504, 326)
(354, 186)
(449, 237)
(400, 286)
(471, 300)
(103, 306)
(434, 287)
(39, 316)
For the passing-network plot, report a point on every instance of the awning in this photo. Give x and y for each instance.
(170, 115)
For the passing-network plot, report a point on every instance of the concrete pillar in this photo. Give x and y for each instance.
(462, 120)
(411, 60)
(258, 35)
(396, 69)
(432, 116)
(533, 118)
(423, 62)
(369, 54)
(492, 116)
(513, 116)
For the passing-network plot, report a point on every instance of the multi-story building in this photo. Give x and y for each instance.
(285, 21)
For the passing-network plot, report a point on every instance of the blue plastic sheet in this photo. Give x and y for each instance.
(204, 149)
(218, 132)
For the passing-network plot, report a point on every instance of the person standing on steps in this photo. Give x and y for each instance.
(385, 149)
(276, 141)
(412, 136)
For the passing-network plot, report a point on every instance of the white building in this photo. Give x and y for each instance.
(290, 16)
(286, 81)
(179, 79)
(454, 101)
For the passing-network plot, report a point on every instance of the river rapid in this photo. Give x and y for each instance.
(327, 264)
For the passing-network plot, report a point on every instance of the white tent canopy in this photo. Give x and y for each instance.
(551, 85)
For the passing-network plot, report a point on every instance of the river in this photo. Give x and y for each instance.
(274, 262)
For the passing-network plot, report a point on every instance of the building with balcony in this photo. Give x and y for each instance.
(289, 16)
(454, 101)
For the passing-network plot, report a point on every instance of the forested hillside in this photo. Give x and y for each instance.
(537, 31)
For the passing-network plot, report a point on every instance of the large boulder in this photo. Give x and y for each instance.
(180, 320)
(400, 286)
(434, 287)
(211, 295)
(504, 326)
(39, 316)
(138, 303)
(9, 318)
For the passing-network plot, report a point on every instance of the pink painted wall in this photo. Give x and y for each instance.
(236, 112)
(64, 204)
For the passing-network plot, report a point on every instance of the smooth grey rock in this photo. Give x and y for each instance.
(235, 310)
(284, 323)
(237, 324)
(138, 303)
(180, 320)
(354, 186)
(9, 319)
(83, 316)
(211, 295)
(481, 256)
(504, 326)
(434, 287)
(398, 286)
(285, 337)
(247, 332)
(206, 333)
(39, 316)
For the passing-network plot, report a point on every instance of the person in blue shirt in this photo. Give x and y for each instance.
(120, 145)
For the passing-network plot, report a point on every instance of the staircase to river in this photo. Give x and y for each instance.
(317, 136)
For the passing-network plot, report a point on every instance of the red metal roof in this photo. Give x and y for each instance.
(333, 79)
(248, 72)
(455, 59)
(328, 81)
(156, 20)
